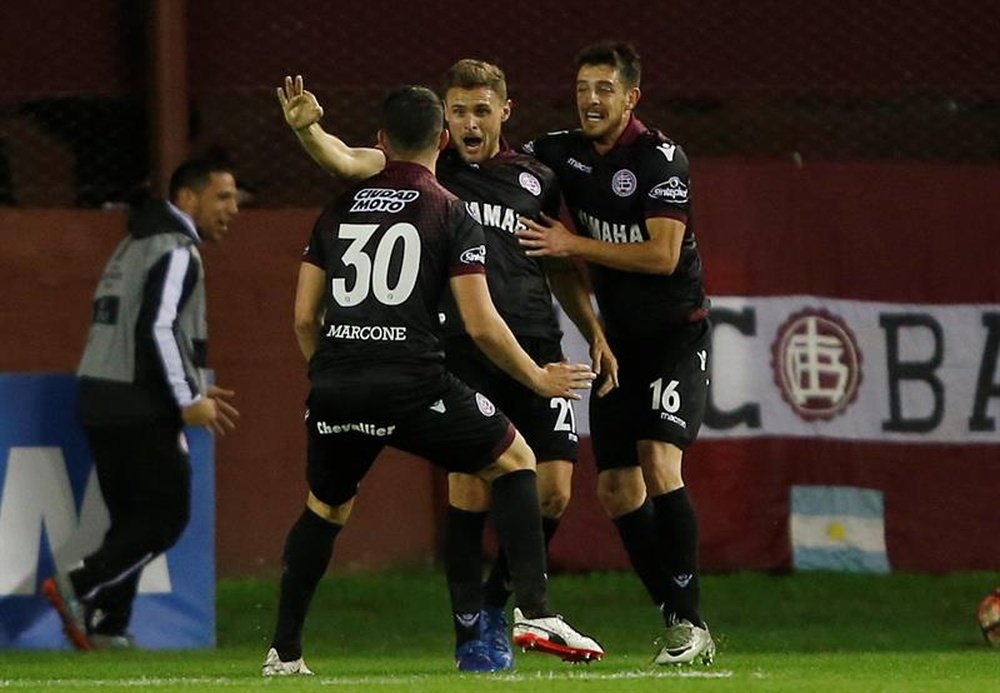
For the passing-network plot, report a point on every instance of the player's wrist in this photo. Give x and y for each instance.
(539, 378)
(306, 131)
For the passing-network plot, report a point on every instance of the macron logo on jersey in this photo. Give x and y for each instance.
(667, 150)
(383, 200)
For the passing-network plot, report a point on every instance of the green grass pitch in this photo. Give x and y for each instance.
(390, 631)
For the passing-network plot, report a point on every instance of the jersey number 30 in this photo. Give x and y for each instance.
(372, 272)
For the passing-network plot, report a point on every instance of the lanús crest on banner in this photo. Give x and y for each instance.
(817, 364)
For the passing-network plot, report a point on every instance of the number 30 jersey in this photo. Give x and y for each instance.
(389, 246)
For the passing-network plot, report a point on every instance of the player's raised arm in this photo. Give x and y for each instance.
(494, 337)
(302, 113)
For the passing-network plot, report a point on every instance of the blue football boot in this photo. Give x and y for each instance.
(493, 626)
(474, 655)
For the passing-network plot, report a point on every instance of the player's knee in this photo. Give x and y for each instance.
(516, 457)
(661, 466)
(334, 514)
(553, 501)
(468, 492)
(615, 502)
(620, 493)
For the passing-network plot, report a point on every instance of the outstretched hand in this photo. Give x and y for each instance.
(300, 107)
(213, 411)
(550, 237)
(563, 379)
(226, 413)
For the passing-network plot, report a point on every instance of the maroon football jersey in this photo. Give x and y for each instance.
(389, 246)
(610, 197)
(497, 192)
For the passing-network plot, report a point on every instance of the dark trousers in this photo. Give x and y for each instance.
(145, 477)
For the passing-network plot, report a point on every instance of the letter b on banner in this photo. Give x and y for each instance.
(52, 514)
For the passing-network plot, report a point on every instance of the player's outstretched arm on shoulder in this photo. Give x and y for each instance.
(302, 112)
(495, 339)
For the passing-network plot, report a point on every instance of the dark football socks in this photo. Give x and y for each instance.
(463, 562)
(518, 524)
(638, 532)
(308, 549)
(496, 590)
(678, 532)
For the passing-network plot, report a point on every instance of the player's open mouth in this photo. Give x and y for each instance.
(472, 142)
(593, 116)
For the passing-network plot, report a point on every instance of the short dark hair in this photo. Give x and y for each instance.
(413, 117)
(470, 73)
(195, 174)
(618, 54)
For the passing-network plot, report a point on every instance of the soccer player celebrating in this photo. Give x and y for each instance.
(628, 191)
(498, 185)
(366, 318)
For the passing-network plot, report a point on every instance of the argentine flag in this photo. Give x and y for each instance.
(838, 528)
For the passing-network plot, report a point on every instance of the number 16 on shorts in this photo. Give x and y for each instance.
(666, 398)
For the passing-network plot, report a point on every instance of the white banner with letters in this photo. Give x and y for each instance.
(809, 366)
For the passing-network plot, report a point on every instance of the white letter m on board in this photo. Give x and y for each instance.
(36, 496)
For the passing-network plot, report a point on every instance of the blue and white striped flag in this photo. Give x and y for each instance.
(838, 528)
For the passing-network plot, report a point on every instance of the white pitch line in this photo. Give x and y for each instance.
(126, 683)
(157, 682)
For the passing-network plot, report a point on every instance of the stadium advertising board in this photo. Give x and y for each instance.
(52, 514)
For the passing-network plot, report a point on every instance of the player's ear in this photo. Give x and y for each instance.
(186, 199)
(506, 111)
(444, 139)
(382, 140)
(632, 98)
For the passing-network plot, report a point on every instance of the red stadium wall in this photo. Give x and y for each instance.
(909, 234)
(52, 260)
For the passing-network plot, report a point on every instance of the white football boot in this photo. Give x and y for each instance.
(552, 635)
(273, 666)
(683, 643)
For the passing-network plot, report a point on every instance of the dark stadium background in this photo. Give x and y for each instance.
(803, 120)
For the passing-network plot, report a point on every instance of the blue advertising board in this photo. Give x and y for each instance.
(52, 514)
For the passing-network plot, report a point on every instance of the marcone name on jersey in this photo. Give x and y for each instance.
(368, 333)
